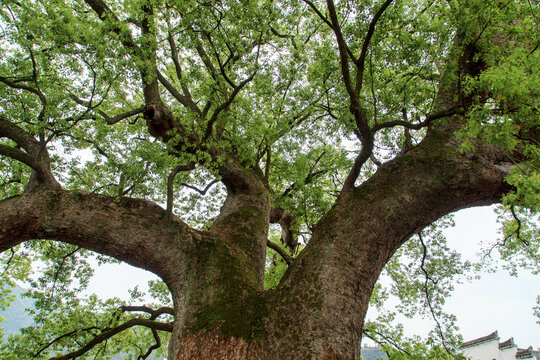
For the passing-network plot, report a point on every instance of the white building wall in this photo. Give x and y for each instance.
(486, 351)
(509, 353)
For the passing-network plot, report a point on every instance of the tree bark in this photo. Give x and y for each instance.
(318, 310)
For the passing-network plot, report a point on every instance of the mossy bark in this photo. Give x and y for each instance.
(317, 311)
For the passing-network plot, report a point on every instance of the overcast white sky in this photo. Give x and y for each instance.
(495, 302)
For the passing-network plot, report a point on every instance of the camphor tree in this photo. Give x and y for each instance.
(179, 136)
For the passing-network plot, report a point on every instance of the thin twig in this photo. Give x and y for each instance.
(8, 262)
(203, 191)
(386, 339)
(59, 269)
(428, 296)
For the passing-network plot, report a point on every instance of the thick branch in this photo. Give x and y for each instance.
(36, 156)
(203, 191)
(135, 231)
(361, 159)
(352, 242)
(343, 54)
(182, 99)
(149, 80)
(206, 59)
(178, 68)
(454, 110)
(18, 135)
(287, 222)
(319, 14)
(21, 156)
(154, 313)
(119, 117)
(106, 14)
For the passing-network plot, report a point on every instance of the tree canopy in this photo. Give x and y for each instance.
(127, 125)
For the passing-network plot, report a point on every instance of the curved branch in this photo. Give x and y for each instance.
(361, 159)
(156, 346)
(154, 325)
(36, 155)
(17, 134)
(71, 333)
(319, 14)
(454, 110)
(16, 85)
(40, 167)
(19, 155)
(203, 191)
(288, 259)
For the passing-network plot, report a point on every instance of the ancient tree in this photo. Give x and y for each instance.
(350, 126)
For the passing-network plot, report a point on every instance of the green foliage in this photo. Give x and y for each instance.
(518, 247)
(275, 265)
(292, 121)
(421, 275)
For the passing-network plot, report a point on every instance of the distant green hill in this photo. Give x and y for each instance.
(373, 353)
(15, 316)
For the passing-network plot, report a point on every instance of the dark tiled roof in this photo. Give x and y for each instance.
(493, 336)
(507, 344)
(525, 353)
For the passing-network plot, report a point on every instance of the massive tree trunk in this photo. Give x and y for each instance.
(317, 312)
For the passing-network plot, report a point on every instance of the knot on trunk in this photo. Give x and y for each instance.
(159, 120)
